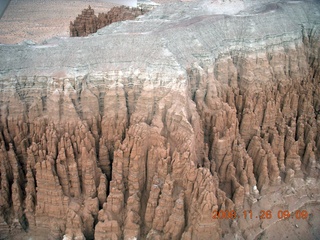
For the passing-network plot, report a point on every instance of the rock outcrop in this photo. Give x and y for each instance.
(103, 138)
(87, 22)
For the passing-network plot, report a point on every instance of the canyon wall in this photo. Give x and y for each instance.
(106, 138)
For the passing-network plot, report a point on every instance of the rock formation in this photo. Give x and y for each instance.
(88, 23)
(145, 129)
(85, 23)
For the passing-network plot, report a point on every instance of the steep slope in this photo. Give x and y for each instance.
(145, 129)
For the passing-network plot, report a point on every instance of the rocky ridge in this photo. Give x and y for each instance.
(103, 139)
(87, 22)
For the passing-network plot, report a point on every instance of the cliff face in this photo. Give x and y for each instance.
(220, 109)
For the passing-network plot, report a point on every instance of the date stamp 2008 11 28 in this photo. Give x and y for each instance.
(263, 214)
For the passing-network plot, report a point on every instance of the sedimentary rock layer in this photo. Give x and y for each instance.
(219, 109)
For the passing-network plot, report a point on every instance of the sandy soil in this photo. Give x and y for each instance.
(296, 229)
(38, 20)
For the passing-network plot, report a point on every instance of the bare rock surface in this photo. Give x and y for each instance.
(144, 129)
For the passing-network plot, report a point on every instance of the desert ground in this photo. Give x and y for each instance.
(38, 20)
